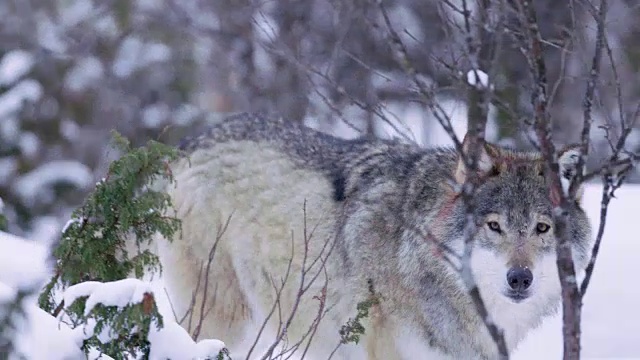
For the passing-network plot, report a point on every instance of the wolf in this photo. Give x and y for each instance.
(283, 225)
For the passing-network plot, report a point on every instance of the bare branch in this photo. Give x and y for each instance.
(608, 189)
(533, 52)
(276, 303)
(402, 57)
(478, 102)
(212, 254)
(614, 168)
(588, 97)
(303, 286)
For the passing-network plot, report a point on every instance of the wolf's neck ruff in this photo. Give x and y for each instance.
(255, 174)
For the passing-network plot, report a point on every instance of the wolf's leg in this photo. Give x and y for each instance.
(205, 295)
(197, 266)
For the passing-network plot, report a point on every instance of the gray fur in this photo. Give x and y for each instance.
(391, 208)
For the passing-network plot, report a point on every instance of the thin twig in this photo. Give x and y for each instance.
(212, 252)
(608, 189)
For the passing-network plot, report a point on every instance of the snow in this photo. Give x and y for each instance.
(34, 185)
(77, 12)
(14, 65)
(49, 36)
(156, 52)
(265, 27)
(475, 76)
(23, 264)
(45, 230)
(8, 168)
(68, 224)
(127, 57)
(611, 320)
(85, 73)
(40, 336)
(116, 293)
(7, 294)
(107, 26)
(9, 128)
(29, 144)
(411, 122)
(69, 129)
(185, 114)
(44, 337)
(172, 342)
(169, 342)
(154, 115)
(134, 54)
(457, 112)
(411, 32)
(148, 5)
(11, 101)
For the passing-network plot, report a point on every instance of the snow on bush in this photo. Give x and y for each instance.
(169, 341)
(38, 335)
(173, 342)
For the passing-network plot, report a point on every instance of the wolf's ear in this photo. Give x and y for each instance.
(568, 158)
(487, 159)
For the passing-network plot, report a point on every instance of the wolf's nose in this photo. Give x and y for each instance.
(519, 278)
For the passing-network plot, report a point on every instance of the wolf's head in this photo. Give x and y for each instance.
(514, 257)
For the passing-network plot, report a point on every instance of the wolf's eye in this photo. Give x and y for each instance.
(542, 228)
(493, 225)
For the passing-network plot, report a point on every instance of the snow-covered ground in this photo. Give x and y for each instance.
(611, 314)
(611, 317)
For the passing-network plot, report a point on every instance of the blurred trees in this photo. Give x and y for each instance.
(70, 70)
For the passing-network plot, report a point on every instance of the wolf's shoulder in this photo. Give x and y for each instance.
(292, 137)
